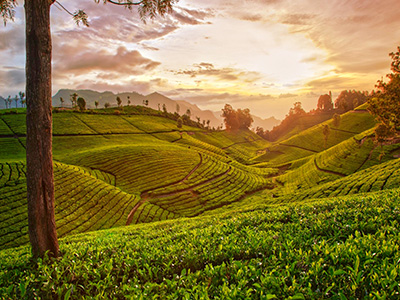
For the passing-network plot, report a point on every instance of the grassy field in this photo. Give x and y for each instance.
(310, 141)
(339, 248)
(112, 170)
(294, 219)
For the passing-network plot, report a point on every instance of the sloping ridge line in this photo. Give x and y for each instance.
(144, 194)
(327, 171)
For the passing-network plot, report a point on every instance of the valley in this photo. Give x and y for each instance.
(191, 189)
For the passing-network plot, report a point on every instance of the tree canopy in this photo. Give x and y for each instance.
(384, 104)
(350, 99)
(236, 119)
(325, 102)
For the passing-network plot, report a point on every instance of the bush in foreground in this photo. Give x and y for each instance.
(345, 248)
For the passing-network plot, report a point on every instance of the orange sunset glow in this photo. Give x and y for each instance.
(261, 54)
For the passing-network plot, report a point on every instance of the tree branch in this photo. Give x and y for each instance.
(124, 3)
(66, 10)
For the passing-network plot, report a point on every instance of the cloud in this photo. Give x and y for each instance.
(288, 95)
(141, 87)
(12, 39)
(297, 19)
(122, 61)
(184, 18)
(228, 74)
(150, 48)
(333, 83)
(11, 80)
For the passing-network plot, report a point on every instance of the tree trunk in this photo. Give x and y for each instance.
(39, 160)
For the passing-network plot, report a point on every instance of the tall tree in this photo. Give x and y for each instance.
(39, 159)
(81, 104)
(74, 98)
(119, 101)
(385, 103)
(326, 131)
(325, 103)
(236, 119)
(9, 100)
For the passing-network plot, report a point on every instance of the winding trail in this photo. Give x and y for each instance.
(328, 171)
(145, 194)
(14, 135)
(238, 143)
(299, 147)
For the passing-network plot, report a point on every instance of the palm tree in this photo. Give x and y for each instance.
(96, 103)
(9, 100)
(22, 98)
(74, 98)
(119, 101)
(62, 101)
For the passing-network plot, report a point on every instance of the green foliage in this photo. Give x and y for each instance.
(119, 101)
(344, 247)
(336, 120)
(179, 123)
(379, 177)
(348, 100)
(326, 131)
(7, 10)
(325, 102)
(236, 119)
(81, 104)
(73, 99)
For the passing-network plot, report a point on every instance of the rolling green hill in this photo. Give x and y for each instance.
(311, 141)
(112, 170)
(261, 224)
(339, 248)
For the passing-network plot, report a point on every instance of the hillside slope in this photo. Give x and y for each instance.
(343, 248)
(155, 101)
(112, 170)
(115, 169)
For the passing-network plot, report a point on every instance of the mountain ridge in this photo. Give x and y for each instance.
(155, 101)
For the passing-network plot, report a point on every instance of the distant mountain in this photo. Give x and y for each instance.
(2, 103)
(266, 124)
(156, 101)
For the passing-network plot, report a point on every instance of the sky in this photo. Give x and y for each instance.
(258, 54)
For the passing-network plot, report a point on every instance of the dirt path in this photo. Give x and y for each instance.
(366, 159)
(328, 171)
(92, 134)
(299, 147)
(145, 194)
(238, 143)
(14, 135)
(341, 130)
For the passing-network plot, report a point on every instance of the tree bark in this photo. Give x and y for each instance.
(39, 160)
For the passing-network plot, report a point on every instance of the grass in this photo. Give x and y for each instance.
(12, 149)
(379, 177)
(103, 182)
(340, 248)
(311, 140)
(255, 233)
